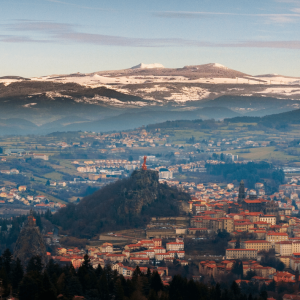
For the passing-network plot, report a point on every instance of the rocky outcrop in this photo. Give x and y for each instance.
(127, 203)
(144, 191)
(30, 243)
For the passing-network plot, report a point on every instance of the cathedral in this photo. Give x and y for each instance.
(256, 205)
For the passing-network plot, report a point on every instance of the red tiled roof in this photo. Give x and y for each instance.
(277, 233)
(257, 241)
(242, 249)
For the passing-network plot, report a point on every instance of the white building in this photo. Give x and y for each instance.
(165, 174)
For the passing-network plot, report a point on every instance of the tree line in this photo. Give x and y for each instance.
(251, 173)
(53, 281)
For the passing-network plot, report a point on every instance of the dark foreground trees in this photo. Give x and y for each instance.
(53, 282)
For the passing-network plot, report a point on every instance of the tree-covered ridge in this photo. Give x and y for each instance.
(127, 203)
(251, 172)
(275, 121)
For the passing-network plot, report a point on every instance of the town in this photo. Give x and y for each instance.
(225, 224)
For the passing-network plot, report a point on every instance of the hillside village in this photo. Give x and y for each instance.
(259, 227)
(259, 230)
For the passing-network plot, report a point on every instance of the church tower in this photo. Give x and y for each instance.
(31, 220)
(241, 192)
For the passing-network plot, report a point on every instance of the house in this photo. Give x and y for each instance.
(165, 174)
(259, 245)
(22, 188)
(284, 277)
(157, 242)
(40, 156)
(268, 219)
(139, 260)
(274, 237)
(107, 248)
(162, 256)
(14, 171)
(173, 246)
(290, 297)
(115, 257)
(241, 254)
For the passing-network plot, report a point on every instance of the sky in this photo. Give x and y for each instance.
(45, 37)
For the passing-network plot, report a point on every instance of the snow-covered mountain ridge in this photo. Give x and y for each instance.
(154, 84)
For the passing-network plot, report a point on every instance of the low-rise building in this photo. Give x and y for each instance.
(269, 219)
(241, 254)
(259, 245)
(173, 246)
(274, 237)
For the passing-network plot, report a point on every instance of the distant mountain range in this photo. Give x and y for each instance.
(144, 94)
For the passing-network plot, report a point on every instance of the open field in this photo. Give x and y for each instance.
(53, 176)
(265, 153)
(51, 198)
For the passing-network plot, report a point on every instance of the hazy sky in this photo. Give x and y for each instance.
(41, 37)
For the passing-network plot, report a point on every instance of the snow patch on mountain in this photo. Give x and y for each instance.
(283, 91)
(155, 88)
(29, 104)
(189, 94)
(7, 82)
(148, 66)
(53, 95)
(110, 101)
(216, 65)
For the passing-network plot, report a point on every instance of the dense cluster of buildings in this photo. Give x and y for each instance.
(144, 253)
(155, 138)
(22, 195)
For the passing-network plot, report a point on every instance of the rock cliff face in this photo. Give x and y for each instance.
(144, 191)
(127, 203)
(30, 243)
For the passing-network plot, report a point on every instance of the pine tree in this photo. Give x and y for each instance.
(48, 291)
(136, 273)
(156, 283)
(177, 288)
(61, 284)
(148, 273)
(192, 290)
(235, 288)
(272, 286)
(5, 283)
(73, 287)
(119, 291)
(35, 264)
(6, 260)
(153, 295)
(264, 295)
(99, 271)
(218, 292)
(297, 275)
(241, 270)
(87, 262)
(28, 289)
(53, 270)
(17, 274)
(103, 288)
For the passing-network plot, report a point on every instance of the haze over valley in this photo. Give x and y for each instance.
(148, 93)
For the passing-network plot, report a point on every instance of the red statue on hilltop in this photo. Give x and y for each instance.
(144, 167)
